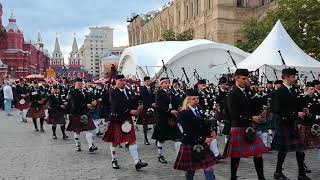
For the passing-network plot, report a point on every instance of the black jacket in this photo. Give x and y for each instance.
(146, 97)
(120, 105)
(78, 102)
(163, 100)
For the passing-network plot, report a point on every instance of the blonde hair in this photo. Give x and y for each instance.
(185, 103)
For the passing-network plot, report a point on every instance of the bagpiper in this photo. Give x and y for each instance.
(243, 140)
(22, 101)
(121, 126)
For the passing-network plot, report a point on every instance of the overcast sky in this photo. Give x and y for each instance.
(69, 16)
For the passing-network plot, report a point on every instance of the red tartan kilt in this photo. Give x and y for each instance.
(308, 139)
(115, 135)
(239, 147)
(75, 124)
(145, 119)
(33, 113)
(19, 106)
(56, 117)
(184, 160)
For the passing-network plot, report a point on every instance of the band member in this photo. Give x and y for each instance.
(79, 119)
(148, 115)
(37, 106)
(243, 142)
(166, 128)
(121, 127)
(286, 139)
(196, 136)
(56, 110)
(22, 102)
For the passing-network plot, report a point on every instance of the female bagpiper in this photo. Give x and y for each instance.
(196, 138)
(56, 112)
(37, 106)
(79, 120)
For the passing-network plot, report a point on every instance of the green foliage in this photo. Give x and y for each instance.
(301, 18)
(170, 35)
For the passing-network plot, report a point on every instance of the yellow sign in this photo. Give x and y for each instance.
(51, 73)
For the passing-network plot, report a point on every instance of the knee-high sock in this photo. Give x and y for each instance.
(300, 158)
(177, 146)
(24, 113)
(41, 123)
(34, 120)
(189, 175)
(234, 167)
(160, 150)
(214, 147)
(89, 138)
(76, 138)
(96, 122)
(54, 127)
(258, 164)
(281, 158)
(63, 129)
(134, 152)
(113, 152)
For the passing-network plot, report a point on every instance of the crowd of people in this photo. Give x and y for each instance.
(280, 116)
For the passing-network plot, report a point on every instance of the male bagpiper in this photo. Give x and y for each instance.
(243, 142)
(121, 128)
(79, 119)
(286, 139)
(22, 102)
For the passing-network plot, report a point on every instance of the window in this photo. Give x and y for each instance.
(71, 62)
(191, 9)
(240, 3)
(198, 6)
(210, 4)
(54, 62)
(178, 14)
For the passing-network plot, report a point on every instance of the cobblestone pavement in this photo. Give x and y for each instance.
(25, 154)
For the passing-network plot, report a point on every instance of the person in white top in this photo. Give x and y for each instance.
(8, 98)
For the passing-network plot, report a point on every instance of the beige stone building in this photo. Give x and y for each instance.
(216, 20)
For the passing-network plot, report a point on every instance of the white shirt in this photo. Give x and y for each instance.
(194, 110)
(125, 93)
(7, 92)
(287, 86)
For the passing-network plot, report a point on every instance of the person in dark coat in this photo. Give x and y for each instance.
(243, 142)
(166, 129)
(286, 139)
(195, 133)
(121, 127)
(22, 99)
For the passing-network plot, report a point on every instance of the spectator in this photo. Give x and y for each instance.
(8, 98)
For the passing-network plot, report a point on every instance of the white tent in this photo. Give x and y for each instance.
(266, 58)
(207, 57)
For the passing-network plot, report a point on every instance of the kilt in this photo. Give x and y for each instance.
(240, 147)
(56, 117)
(284, 141)
(19, 106)
(115, 135)
(163, 131)
(308, 139)
(184, 159)
(75, 124)
(145, 119)
(33, 113)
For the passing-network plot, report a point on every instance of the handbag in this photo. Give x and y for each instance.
(250, 134)
(197, 153)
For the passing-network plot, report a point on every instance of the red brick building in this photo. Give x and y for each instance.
(20, 57)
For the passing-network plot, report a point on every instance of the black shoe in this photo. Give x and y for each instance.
(162, 160)
(140, 165)
(262, 178)
(65, 137)
(93, 148)
(303, 177)
(306, 169)
(42, 130)
(78, 147)
(127, 145)
(36, 130)
(219, 157)
(120, 146)
(280, 176)
(234, 178)
(99, 133)
(54, 137)
(115, 164)
(146, 142)
(149, 129)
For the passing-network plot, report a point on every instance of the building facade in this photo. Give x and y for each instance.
(19, 56)
(109, 60)
(98, 42)
(216, 20)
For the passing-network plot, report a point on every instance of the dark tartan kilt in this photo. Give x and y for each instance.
(240, 147)
(115, 135)
(75, 124)
(33, 113)
(309, 140)
(284, 141)
(163, 131)
(56, 117)
(19, 106)
(184, 160)
(145, 119)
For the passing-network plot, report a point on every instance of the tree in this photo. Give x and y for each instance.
(301, 18)
(170, 35)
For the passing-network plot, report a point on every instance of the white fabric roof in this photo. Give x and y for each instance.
(267, 53)
(136, 58)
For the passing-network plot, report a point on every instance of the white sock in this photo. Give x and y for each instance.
(134, 153)
(76, 138)
(96, 122)
(214, 147)
(89, 138)
(177, 146)
(225, 139)
(113, 152)
(24, 113)
(264, 137)
(160, 150)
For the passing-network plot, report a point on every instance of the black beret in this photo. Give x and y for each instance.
(202, 81)
(289, 71)
(35, 82)
(174, 81)
(192, 92)
(146, 78)
(278, 82)
(242, 72)
(269, 82)
(55, 87)
(119, 76)
(309, 84)
(316, 82)
(223, 80)
(164, 78)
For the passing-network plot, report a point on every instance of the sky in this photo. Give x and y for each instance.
(67, 17)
